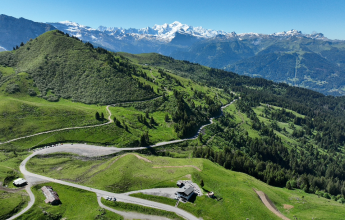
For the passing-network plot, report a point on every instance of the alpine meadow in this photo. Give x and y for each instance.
(115, 123)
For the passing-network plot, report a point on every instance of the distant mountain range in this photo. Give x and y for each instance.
(13, 31)
(306, 60)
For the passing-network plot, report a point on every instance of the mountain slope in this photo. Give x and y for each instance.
(319, 62)
(62, 66)
(275, 132)
(299, 64)
(13, 31)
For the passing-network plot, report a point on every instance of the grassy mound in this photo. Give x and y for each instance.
(63, 66)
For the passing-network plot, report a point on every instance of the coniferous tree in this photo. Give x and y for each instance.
(98, 118)
(166, 118)
(152, 121)
(288, 185)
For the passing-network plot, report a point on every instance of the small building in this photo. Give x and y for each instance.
(20, 182)
(51, 196)
(180, 184)
(185, 192)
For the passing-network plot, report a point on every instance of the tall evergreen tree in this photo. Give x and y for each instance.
(98, 118)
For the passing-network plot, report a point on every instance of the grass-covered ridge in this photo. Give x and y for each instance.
(62, 66)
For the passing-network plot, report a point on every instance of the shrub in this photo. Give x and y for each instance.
(12, 88)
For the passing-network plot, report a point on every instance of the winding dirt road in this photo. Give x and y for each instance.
(119, 197)
(91, 150)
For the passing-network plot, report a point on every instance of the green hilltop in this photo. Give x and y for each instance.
(62, 66)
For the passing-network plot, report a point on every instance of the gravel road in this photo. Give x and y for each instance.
(92, 151)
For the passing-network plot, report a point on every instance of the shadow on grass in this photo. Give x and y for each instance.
(193, 198)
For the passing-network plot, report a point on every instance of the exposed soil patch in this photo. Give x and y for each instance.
(197, 168)
(143, 158)
(288, 207)
(188, 176)
(59, 168)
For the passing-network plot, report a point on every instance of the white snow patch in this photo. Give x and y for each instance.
(167, 32)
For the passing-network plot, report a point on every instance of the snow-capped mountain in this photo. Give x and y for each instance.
(278, 56)
(2, 49)
(164, 33)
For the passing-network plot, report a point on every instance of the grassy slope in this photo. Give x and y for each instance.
(80, 114)
(238, 199)
(121, 206)
(11, 203)
(24, 115)
(76, 204)
(62, 66)
(38, 115)
(9, 166)
(125, 174)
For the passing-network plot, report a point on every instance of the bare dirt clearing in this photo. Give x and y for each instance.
(288, 207)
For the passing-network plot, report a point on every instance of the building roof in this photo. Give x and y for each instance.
(19, 181)
(50, 195)
(186, 190)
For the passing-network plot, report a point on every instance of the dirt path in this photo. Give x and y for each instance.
(130, 215)
(269, 204)
(11, 190)
(197, 168)
(110, 120)
(109, 151)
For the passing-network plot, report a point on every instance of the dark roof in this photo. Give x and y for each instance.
(186, 190)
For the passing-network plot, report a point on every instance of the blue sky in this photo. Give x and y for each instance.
(241, 16)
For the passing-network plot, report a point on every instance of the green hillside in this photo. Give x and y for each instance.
(280, 135)
(234, 190)
(65, 71)
(61, 66)
(11, 203)
(317, 64)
